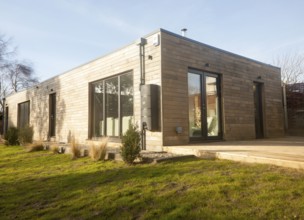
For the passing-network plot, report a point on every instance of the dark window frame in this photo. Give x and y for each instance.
(119, 106)
(20, 115)
(52, 118)
(203, 74)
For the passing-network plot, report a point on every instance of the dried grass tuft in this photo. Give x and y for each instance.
(54, 148)
(2, 141)
(75, 149)
(98, 152)
(38, 146)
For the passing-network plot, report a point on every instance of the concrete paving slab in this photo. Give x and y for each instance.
(286, 151)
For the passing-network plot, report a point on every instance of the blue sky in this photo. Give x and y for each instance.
(57, 35)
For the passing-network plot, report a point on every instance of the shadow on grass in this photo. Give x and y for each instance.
(189, 188)
(39, 193)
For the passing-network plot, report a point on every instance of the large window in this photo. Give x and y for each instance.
(111, 105)
(23, 114)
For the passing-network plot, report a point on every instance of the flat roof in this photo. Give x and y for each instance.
(215, 48)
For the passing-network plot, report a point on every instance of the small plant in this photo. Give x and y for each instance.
(98, 152)
(38, 146)
(54, 148)
(25, 135)
(75, 149)
(11, 136)
(130, 149)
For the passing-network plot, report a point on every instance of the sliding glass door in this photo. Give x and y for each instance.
(204, 105)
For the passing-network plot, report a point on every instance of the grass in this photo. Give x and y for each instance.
(43, 185)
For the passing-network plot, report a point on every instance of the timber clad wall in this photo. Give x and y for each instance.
(237, 75)
(72, 94)
(166, 65)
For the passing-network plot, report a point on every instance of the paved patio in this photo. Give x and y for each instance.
(286, 152)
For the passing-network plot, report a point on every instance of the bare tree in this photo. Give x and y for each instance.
(292, 67)
(19, 76)
(14, 75)
(6, 52)
(292, 76)
(3, 91)
(4, 55)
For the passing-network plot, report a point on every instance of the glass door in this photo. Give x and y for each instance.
(204, 105)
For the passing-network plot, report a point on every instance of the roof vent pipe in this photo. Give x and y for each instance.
(184, 31)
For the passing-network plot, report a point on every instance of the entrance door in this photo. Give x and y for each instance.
(52, 115)
(204, 105)
(258, 110)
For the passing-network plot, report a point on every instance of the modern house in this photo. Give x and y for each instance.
(176, 89)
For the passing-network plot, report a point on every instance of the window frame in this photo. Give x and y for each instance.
(104, 101)
(19, 114)
(203, 74)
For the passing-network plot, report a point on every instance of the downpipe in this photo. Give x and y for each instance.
(141, 43)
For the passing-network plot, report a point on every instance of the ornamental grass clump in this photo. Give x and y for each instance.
(54, 148)
(2, 141)
(75, 149)
(38, 146)
(98, 152)
(130, 149)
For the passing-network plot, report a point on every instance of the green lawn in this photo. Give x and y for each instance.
(42, 185)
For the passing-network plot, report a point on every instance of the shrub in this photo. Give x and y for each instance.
(130, 149)
(34, 147)
(98, 152)
(75, 149)
(11, 136)
(25, 135)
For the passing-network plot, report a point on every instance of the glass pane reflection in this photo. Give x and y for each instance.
(112, 107)
(212, 106)
(126, 100)
(194, 92)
